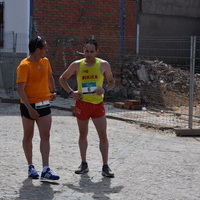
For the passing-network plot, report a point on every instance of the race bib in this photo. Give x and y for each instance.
(42, 104)
(89, 88)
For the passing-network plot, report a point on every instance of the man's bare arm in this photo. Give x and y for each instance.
(72, 69)
(109, 76)
(106, 71)
(66, 75)
(20, 89)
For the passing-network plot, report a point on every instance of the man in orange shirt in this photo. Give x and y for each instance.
(90, 72)
(36, 87)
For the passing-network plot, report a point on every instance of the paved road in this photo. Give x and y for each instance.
(148, 164)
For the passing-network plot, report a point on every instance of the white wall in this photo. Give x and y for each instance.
(16, 19)
(16, 13)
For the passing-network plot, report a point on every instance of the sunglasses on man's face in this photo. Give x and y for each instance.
(38, 39)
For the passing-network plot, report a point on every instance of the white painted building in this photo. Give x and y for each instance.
(16, 25)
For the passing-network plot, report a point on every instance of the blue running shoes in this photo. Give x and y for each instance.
(32, 173)
(48, 175)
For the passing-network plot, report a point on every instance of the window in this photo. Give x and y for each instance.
(1, 23)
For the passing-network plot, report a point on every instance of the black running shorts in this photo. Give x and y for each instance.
(42, 112)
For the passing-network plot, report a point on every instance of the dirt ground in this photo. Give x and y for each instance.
(148, 164)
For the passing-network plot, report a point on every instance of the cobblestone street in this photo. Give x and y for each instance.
(148, 164)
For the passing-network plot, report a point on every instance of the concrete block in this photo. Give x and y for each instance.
(187, 132)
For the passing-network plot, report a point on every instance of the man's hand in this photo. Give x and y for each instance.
(53, 96)
(76, 95)
(100, 91)
(33, 114)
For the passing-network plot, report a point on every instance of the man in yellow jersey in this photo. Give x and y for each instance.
(36, 87)
(90, 73)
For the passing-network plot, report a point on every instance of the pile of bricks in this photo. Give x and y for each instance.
(128, 104)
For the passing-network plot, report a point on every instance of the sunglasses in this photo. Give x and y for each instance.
(37, 40)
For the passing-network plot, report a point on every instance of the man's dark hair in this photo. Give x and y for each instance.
(92, 41)
(38, 42)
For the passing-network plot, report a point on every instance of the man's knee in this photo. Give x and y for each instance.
(45, 137)
(103, 137)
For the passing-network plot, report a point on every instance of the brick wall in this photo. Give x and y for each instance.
(65, 24)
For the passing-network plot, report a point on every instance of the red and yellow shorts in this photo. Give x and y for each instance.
(85, 110)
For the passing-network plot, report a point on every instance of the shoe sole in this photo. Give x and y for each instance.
(82, 172)
(106, 175)
(34, 177)
(46, 179)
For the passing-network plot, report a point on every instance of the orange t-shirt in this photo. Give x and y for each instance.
(36, 77)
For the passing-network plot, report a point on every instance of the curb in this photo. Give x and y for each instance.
(146, 125)
(7, 100)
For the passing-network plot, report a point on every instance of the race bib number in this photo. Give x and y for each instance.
(89, 88)
(42, 104)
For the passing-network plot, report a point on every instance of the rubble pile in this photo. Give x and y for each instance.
(155, 83)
